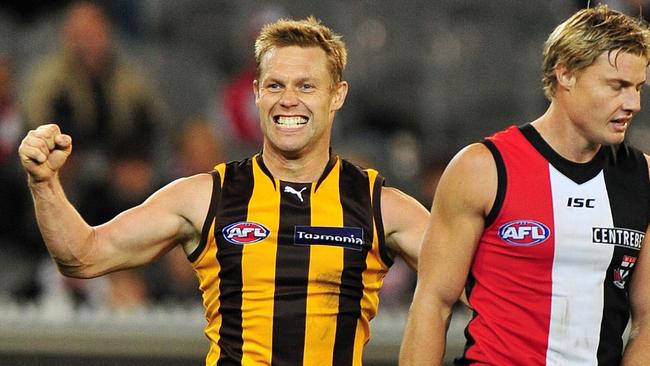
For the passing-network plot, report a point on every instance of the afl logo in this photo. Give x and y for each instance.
(524, 233)
(245, 232)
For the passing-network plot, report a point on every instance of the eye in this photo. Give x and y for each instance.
(616, 86)
(307, 87)
(273, 86)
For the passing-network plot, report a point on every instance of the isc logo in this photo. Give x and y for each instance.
(581, 202)
(245, 232)
(524, 233)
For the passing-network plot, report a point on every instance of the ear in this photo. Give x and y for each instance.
(256, 91)
(340, 93)
(566, 78)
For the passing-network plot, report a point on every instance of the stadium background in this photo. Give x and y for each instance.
(426, 78)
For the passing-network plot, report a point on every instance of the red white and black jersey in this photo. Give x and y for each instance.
(549, 280)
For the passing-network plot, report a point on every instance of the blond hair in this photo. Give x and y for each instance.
(587, 34)
(308, 32)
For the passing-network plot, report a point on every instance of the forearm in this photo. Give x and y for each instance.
(67, 236)
(637, 352)
(425, 336)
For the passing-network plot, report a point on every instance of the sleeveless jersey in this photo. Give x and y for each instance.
(290, 272)
(549, 281)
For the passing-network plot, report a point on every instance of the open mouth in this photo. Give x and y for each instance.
(621, 121)
(291, 122)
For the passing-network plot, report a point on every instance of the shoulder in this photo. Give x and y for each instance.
(397, 206)
(470, 180)
(394, 199)
(187, 197)
(474, 160)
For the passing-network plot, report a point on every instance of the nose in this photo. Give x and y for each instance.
(632, 102)
(289, 98)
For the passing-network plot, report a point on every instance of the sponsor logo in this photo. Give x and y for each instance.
(581, 202)
(617, 236)
(292, 190)
(347, 237)
(622, 273)
(524, 233)
(245, 232)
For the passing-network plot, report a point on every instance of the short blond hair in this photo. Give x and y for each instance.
(587, 34)
(308, 32)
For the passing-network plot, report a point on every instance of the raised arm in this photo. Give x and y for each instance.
(404, 222)
(637, 352)
(171, 216)
(463, 198)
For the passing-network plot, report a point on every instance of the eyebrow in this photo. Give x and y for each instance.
(626, 83)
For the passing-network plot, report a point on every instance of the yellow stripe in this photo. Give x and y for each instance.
(207, 269)
(373, 277)
(325, 267)
(258, 272)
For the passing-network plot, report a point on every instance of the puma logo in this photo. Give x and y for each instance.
(298, 194)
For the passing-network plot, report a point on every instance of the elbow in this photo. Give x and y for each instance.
(78, 261)
(75, 271)
(76, 268)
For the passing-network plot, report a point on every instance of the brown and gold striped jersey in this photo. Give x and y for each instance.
(290, 272)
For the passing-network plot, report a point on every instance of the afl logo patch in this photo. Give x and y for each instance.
(524, 233)
(245, 232)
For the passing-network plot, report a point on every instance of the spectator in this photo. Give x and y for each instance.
(238, 100)
(89, 88)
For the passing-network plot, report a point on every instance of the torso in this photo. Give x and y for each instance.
(290, 272)
(549, 279)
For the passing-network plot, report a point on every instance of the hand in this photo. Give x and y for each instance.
(44, 151)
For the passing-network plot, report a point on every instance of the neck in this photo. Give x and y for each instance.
(301, 169)
(557, 129)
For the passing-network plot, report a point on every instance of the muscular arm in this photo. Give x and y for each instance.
(171, 216)
(637, 352)
(465, 194)
(404, 222)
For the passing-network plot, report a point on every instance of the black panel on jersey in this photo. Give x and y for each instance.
(385, 254)
(233, 207)
(291, 278)
(577, 172)
(626, 177)
(502, 182)
(353, 186)
(216, 192)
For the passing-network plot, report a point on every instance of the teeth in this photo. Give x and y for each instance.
(291, 121)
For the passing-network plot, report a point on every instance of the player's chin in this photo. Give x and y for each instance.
(614, 138)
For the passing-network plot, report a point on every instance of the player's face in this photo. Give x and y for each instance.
(297, 100)
(606, 95)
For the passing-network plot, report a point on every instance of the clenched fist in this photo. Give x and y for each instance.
(44, 151)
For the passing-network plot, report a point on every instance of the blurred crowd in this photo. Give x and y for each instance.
(101, 71)
(128, 142)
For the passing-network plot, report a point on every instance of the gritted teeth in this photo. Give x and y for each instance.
(290, 121)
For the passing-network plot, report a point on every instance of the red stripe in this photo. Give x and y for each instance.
(512, 292)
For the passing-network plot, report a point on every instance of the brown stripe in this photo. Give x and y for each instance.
(291, 279)
(357, 212)
(237, 190)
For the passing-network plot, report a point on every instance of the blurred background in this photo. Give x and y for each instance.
(153, 90)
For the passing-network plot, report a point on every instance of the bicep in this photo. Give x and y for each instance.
(404, 221)
(465, 194)
(171, 216)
